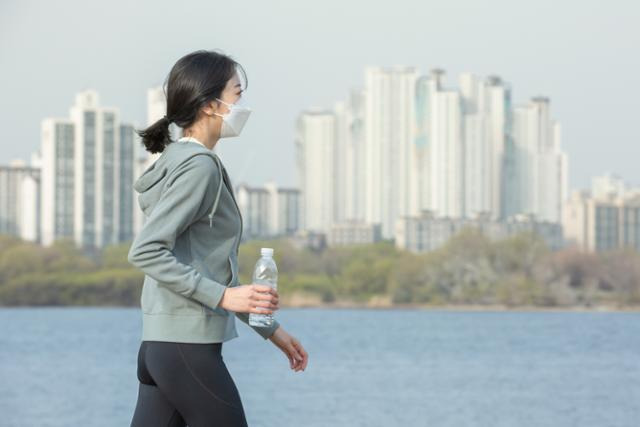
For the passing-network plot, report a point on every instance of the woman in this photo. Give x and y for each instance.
(188, 250)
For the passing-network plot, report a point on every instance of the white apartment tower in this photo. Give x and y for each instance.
(103, 174)
(315, 158)
(390, 157)
(486, 106)
(57, 186)
(350, 158)
(446, 157)
(126, 164)
(19, 200)
(540, 164)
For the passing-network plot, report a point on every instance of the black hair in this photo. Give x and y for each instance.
(195, 80)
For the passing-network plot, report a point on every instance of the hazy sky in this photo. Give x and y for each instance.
(584, 55)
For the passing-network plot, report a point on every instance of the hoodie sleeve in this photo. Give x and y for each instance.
(190, 191)
(264, 332)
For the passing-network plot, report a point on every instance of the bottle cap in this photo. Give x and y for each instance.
(266, 251)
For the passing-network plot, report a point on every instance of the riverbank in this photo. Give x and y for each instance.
(382, 303)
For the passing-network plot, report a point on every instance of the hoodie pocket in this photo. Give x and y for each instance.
(158, 299)
(219, 310)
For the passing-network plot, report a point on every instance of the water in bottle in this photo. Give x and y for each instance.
(264, 273)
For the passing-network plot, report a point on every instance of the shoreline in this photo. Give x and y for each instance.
(383, 302)
(463, 307)
(469, 307)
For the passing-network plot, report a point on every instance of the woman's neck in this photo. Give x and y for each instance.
(201, 136)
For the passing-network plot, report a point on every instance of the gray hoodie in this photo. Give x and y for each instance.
(188, 247)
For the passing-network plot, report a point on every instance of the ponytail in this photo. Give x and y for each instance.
(156, 137)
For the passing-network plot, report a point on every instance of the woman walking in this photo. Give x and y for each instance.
(188, 250)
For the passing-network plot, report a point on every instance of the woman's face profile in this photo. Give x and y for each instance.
(212, 122)
(231, 94)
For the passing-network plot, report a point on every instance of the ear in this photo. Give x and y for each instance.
(210, 108)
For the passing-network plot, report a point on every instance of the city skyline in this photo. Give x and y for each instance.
(596, 112)
(152, 111)
(364, 173)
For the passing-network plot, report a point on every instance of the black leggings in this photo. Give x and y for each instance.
(185, 384)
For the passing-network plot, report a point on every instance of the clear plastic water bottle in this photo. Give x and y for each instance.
(264, 273)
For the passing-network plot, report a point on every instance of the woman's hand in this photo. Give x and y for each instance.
(291, 347)
(253, 298)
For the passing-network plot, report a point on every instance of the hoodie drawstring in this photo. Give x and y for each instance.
(215, 204)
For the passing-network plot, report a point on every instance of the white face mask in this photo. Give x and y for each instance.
(234, 120)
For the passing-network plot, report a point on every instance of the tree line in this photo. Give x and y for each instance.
(468, 269)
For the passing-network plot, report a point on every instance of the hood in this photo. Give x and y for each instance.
(150, 184)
